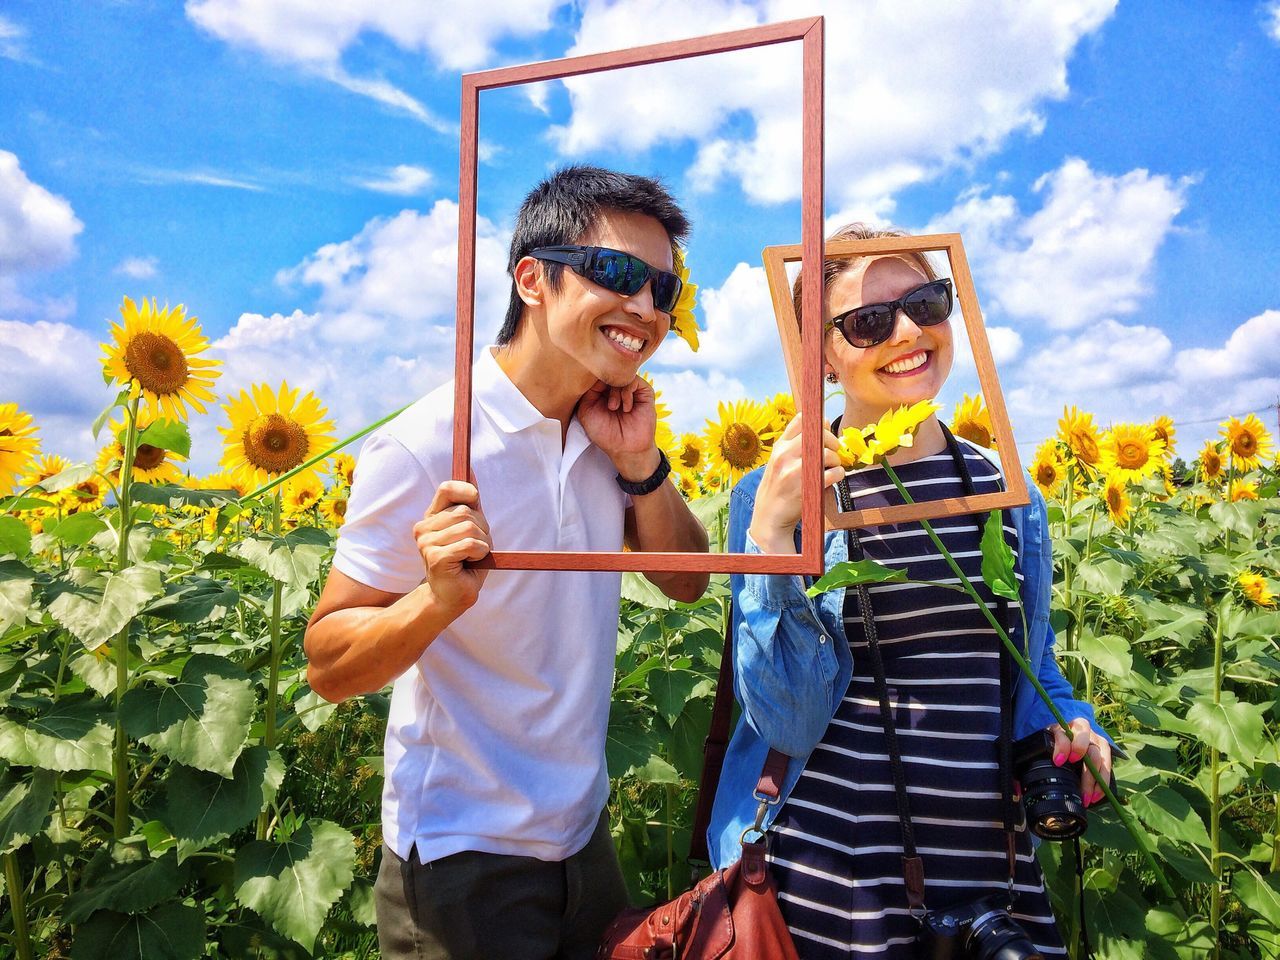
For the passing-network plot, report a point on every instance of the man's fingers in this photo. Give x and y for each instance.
(451, 492)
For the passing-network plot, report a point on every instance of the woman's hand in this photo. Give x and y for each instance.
(1083, 740)
(777, 510)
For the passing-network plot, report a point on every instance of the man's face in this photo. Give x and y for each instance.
(605, 333)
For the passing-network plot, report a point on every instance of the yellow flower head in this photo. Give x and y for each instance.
(224, 481)
(1247, 441)
(1116, 495)
(1242, 490)
(972, 421)
(1047, 469)
(689, 486)
(854, 451)
(156, 352)
(688, 453)
(45, 467)
(150, 464)
(1131, 451)
(1163, 426)
(342, 468)
(271, 433)
(86, 496)
(683, 324)
(740, 440)
(333, 507)
(1255, 589)
(895, 429)
(713, 482)
(784, 411)
(1210, 462)
(1077, 430)
(301, 493)
(18, 445)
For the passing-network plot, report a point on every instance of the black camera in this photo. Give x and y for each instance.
(1050, 794)
(982, 930)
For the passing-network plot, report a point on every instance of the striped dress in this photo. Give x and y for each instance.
(836, 846)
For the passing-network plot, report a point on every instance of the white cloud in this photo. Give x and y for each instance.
(403, 180)
(1251, 351)
(139, 268)
(1272, 25)
(203, 177)
(1086, 253)
(741, 330)
(316, 36)
(693, 395)
(12, 45)
(37, 228)
(886, 128)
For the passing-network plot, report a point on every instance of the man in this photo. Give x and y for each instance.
(496, 842)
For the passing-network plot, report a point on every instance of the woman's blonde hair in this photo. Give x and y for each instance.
(832, 267)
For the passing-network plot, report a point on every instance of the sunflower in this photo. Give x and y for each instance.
(155, 354)
(713, 482)
(740, 440)
(973, 422)
(45, 467)
(86, 496)
(18, 445)
(224, 481)
(683, 325)
(1247, 440)
(1080, 435)
(1047, 469)
(342, 468)
(1242, 490)
(150, 464)
(689, 486)
(854, 451)
(301, 493)
(1255, 589)
(897, 428)
(1132, 451)
(687, 454)
(333, 507)
(272, 433)
(1116, 495)
(1210, 462)
(783, 406)
(1163, 426)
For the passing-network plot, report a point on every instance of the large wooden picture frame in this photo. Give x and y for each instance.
(1015, 492)
(808, 352)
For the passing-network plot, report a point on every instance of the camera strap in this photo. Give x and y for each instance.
(912, 865)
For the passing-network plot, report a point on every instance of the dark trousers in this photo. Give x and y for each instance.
(486, 906)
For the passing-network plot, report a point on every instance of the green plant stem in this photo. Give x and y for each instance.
(1025, 667)
(121, 640)
(1275, 834)
(273, 670)
(1215, 801)
(18, 905)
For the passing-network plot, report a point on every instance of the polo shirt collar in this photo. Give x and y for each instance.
(500, 398)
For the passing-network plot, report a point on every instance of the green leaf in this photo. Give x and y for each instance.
(70, 477)
(167, 435)
(656, 770)
(95, 606)
(293, 884)
(202, 720)
(637, 588)
(68, 735)
(628, 743)
(1168, 814)
(1241, 517)
(1115, 915)
(124, 879)
(1107, 576)
(16, 584)
(1259, 894)
(850, 573)
(100, 420)
(24, 807)
(200, 808)
(172, 495)
(1187, 864)
(688, 734)
(1109, 653)
(15, 536)
(172, 931)
(290, 559)
(671, 690)
(997, 558)
(1233, 727)
(194, 600)
(77, 529)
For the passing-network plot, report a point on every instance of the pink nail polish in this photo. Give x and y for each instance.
(1058, 758)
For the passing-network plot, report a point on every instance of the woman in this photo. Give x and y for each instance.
(806, 678)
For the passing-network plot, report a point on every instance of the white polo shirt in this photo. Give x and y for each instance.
(495, 740)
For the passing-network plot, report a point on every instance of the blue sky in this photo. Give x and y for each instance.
(289, 172)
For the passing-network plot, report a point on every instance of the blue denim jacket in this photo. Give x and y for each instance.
(792, 664)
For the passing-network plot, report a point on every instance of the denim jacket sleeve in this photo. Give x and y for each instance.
(785, 663)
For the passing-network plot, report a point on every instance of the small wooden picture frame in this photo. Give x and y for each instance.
(807, 350)
(1015, 492)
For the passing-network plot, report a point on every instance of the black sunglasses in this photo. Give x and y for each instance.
(872, 323)
(617, 271)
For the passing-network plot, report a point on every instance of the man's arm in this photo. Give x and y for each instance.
(662, 521)
(360, 639)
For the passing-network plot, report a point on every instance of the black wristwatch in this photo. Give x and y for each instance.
(649, 483)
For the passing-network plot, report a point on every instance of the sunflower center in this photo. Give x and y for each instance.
(689, 456)
(740, 446)
(1085, 446)
(275, 443)
(1212, 464)
(1046, 474)
(1131, 455)
(340, 507)
(156, 362)
(1246, 445)
(1115, 499)
(973, 431)
(148, 457)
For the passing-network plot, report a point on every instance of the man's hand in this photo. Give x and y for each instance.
(453, 531)
(622, 422)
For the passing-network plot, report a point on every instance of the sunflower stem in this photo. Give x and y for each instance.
(121, 640)
(272, 484)
(17, 905)
(1215, 800)
(1025, 667)
(273, 670)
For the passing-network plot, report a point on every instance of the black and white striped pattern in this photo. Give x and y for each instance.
(836, 846)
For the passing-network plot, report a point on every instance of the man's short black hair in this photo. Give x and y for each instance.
(563, 209)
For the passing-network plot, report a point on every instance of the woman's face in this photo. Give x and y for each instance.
(910, 366)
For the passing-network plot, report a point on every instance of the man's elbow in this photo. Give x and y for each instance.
(319, 677)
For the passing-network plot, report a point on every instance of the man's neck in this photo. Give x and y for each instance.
(546, 377)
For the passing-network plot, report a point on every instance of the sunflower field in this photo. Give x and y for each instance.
(170, 787)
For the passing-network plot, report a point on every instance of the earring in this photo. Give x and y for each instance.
(832, 378)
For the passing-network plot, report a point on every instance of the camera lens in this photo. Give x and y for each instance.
(1051, 798)
(996, 936)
